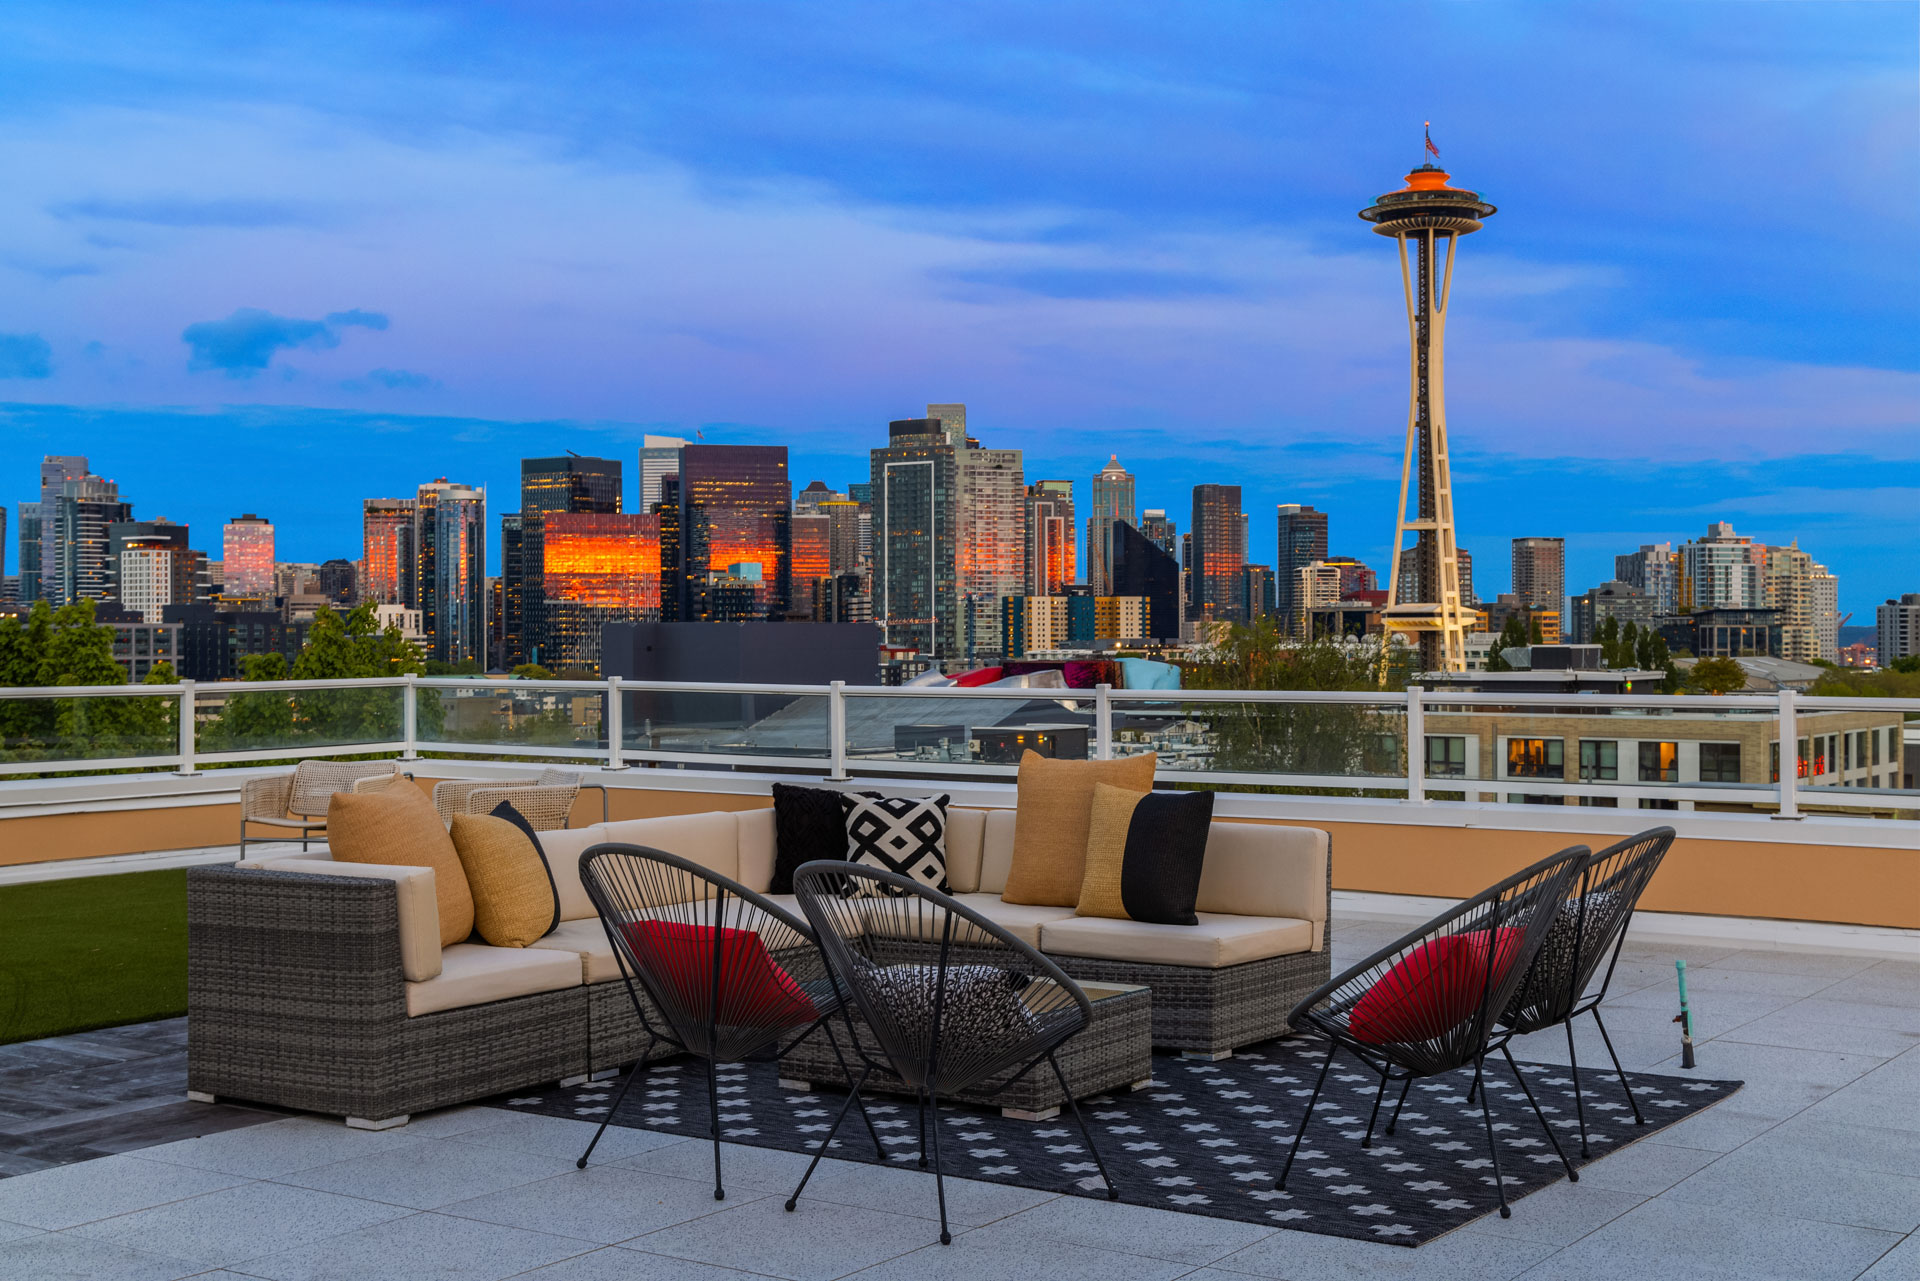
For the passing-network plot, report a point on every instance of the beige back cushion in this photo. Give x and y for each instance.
(756, 849)
(1261, 869)
(712, 840)
(965, 828)
(413, 889)
(996, 851)
(563, 850)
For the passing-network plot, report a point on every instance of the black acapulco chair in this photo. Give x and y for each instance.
(1426, 1004)
(730, 975)
(1590, 927)
(950, 999)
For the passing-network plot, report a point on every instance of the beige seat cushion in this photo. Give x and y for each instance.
(1216, 941)
(399, 827)
(965, 830)
(474, 974)
(755, 843)
(563, 850)
(586, 938)
(1022, 920)
(413, 890)
(1050, 829)
(514, 901)
(1263, 869)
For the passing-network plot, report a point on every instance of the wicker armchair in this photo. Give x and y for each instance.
(544, 800)
(297, 800)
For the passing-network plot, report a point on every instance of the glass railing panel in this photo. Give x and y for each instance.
(86, 727)
(231, 717)
(959, 729)
(778, 727)
(515, 717)
(1272, 736)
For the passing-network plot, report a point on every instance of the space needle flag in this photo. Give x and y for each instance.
(1431, 149)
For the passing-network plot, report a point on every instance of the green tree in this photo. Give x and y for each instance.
(1718, 675)
(1534, 635)
(530, 672)
(346, 648)
(1910, 664)
(1513, 635)
(263, 719)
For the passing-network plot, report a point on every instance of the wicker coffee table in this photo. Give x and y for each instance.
(1114, 1052)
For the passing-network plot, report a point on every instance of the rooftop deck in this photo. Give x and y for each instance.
(1811, 1171)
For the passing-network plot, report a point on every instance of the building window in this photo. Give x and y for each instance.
(1650, 804)
(1601, 802)
(1659, 762)
(1773, 761)
(1821, 745)
(1535, 758)
(1806, 755)
(1599, 760)
(1719, 762)
(1446, 756)
(1875, 736)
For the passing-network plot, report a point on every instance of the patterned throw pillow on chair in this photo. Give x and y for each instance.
(904, 834)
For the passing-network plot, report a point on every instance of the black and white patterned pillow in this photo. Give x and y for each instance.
(904, 834)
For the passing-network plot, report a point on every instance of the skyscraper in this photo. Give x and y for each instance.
(1112, 500)
(1540, 573)
(450, 569)
(1468, 597)
(572, 484)
(1897, 628)
(812, 556)
(150, 566)
(914, 488)
(736, 509)
(1256, 591)
(76, 542)
(1724, 570)
(990, 527)
(599, 568)
(1160, 531)
(510, 644)
(40, 572)
(659, 458)
(1051, 536)
(1303, 540)
(29, 535)
(1142, 567)
(1431, 214)
(247, 554)
(846, 532)
(1219, 553)
(1655, 571)
(1807, 596)
(386, 556)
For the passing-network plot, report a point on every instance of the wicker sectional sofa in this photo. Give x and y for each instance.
(322, 986)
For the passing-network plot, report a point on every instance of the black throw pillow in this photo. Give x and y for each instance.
(807, 825)
(505, 810)
(1145, 852)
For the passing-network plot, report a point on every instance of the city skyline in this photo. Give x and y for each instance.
(216, 257)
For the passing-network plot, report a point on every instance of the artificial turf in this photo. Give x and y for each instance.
(93, 951)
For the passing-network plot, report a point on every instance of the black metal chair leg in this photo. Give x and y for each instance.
(1394, 1123)
(1493, 1149)
(1113, 1193)
(1573, 1175)
(939, 1175)
(920, 1107)
(1374, 1116)
(1301, 1129)
(846, 1074)
(639, 1066)
(1622, 1072)
(713, 1112)
(1579, 1100)
(1475, 1087)
(865, 1072)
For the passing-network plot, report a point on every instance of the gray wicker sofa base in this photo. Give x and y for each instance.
(296, 998)
(1211, 1013)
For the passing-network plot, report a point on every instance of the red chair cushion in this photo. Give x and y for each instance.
(755, 991)
(984, 676)
(1433, 989)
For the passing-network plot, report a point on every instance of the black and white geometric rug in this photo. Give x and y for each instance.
(1205, 1138)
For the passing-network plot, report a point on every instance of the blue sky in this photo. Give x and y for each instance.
(278, 258)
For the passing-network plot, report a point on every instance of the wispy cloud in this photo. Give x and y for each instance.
(25, 356)
(245, 343)
(392, 380)
(224, 212)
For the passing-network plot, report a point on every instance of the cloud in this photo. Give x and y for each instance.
(1095, 282)
(244, 343)
(25, 356)
(393, 380)
(232, 212)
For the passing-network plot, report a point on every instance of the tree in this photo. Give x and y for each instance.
(1910, 664)
(264, 719)
(530, 672)
(1718, 675)
(1513, 635)
(1534, 635)
(353, 647)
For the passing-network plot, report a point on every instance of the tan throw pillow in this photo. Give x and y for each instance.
(1050, 824)
(513, 899)
(400, 828)
(1144, 855)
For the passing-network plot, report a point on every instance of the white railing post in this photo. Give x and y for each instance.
(1103, 722)
(616, 723)
(1789, 757)
(837, 731)
(410, 719)
(187, 729)
(1416, 746)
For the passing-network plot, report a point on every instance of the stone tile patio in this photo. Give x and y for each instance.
(1811, 1172)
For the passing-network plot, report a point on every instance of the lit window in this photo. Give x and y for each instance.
(1535, 758)
(1659, 762)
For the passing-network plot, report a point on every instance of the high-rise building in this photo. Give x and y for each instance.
(1428, 215)
(150, 566)
(809, 499)
(812, 555)
(1468, 597)
(338, 582)
(659, 458)
(1219, 554)
(387, 553)
(990, 525)
(1897, 628)
(1654, 571)
(1051, 536)
(247, 553)
(736, 509)
(1316, 585)
(914, 489)
(1540, 572)
(599, 568)
(1622, 602)
(76, 544)
(847, 534)
(1806, 595)
(1303, 540)
(3, 545)
(1112, 500)
(1142, 568)
(450, 570)
(1162, 532)
(1256, 591)
(1356, 576)
(1724, 570)
(29, 536)
(40, 572)
(570, 483)
(510, 645)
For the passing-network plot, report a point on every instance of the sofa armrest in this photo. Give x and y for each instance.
(266, 797)
(1263, 869)
(417, 909)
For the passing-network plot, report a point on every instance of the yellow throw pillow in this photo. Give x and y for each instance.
(399, 827)
(1050, 823)
(513, 899)
(1145, 851)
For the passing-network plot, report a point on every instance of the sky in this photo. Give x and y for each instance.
(279, 258)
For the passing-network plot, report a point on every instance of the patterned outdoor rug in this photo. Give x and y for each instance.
(1205, 1138)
